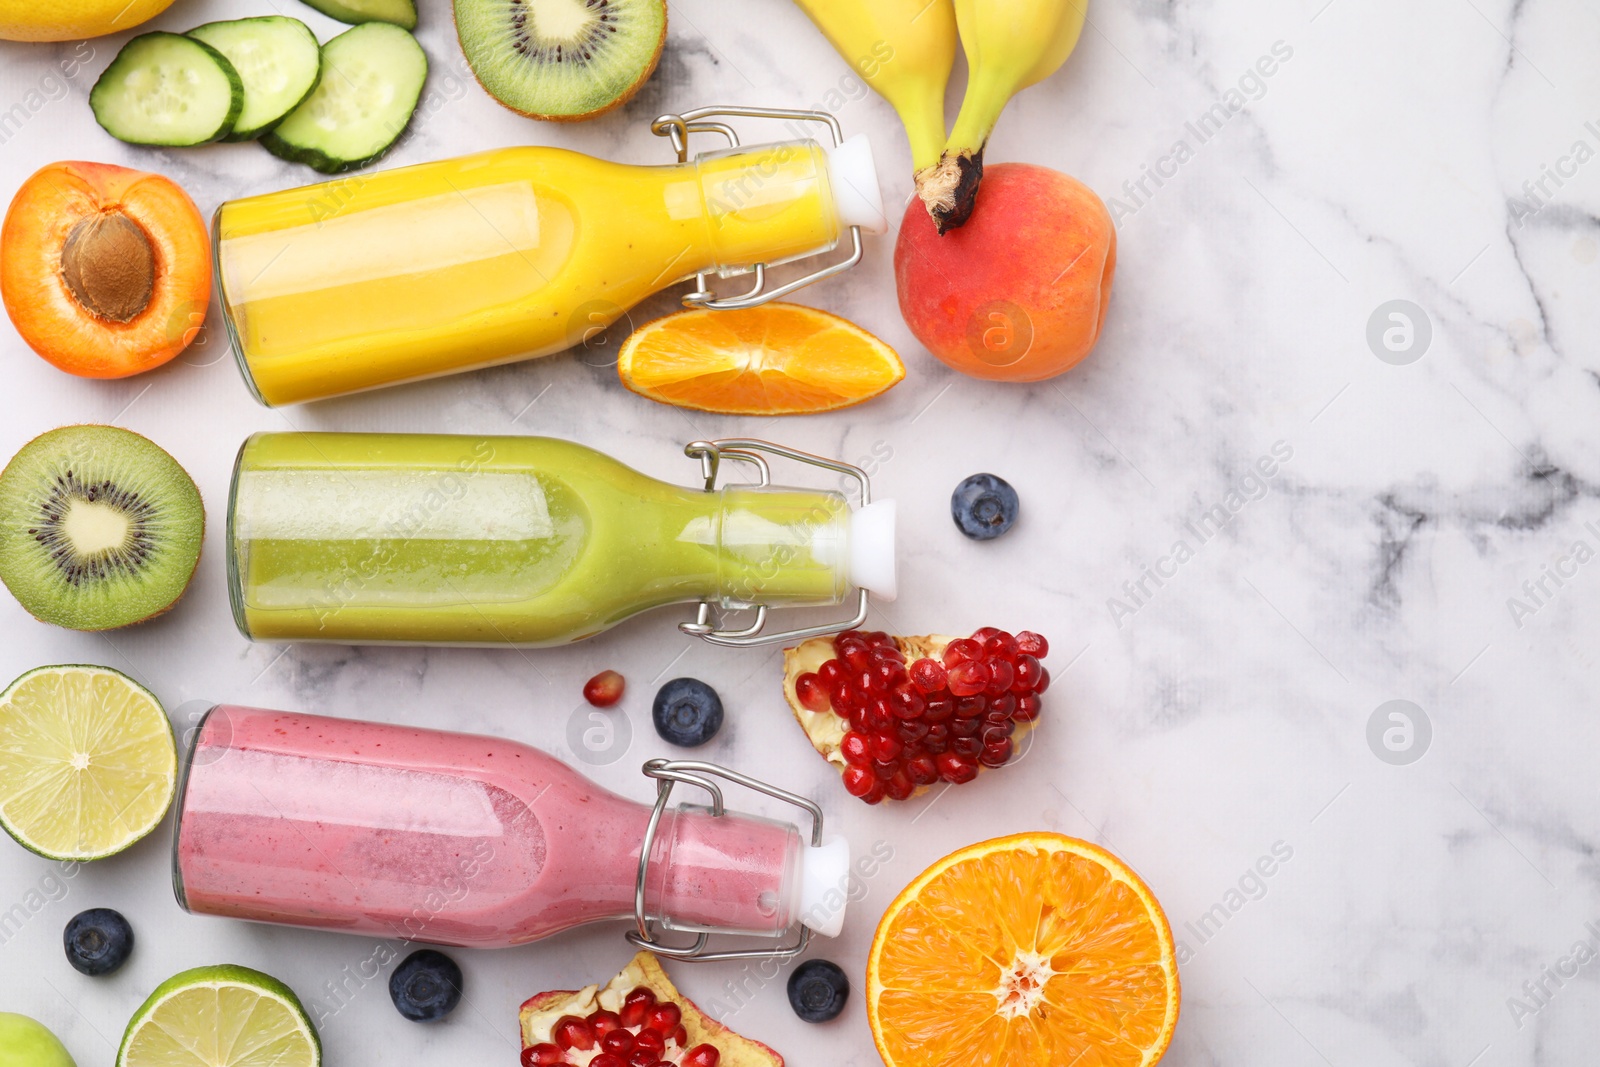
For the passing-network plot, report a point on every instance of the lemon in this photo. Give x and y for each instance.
(222, 1016)
(88, 764)
(73, 20)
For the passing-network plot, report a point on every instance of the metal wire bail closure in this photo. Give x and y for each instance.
(709, 624)
(667, 774)
(677, 128)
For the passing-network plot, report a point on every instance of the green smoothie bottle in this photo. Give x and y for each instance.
(439, 539)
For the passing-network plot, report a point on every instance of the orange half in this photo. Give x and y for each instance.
(1036, 950)
(775, 359)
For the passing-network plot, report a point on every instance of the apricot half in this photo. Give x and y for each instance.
(105, 271)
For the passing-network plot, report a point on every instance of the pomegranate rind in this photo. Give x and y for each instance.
(826, 729)
(541, 1012)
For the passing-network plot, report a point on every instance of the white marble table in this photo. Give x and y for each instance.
(1217, 716)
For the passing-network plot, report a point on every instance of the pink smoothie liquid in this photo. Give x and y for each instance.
(449, 838)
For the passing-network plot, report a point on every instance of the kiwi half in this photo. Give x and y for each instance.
(99, 528)
(562, 59)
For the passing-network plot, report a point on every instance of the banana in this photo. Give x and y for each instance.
(904, 49)
(1010, 45)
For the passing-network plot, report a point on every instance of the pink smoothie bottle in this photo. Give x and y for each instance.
(457, 839)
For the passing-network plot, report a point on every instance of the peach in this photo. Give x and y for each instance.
(1019, 293)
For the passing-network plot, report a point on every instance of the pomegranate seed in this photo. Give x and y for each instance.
(856, 657)
(1032, 644)
(938, 740)
(967, 746)
(572, 1032)
(700, 1056)
(1000, 645)
(859, 781)
(906, 703)
(878, 716)
(970, 707)
(965, 727)
(938, 709)
(681, 1037)
(1029, 672)
(1004, 706)
(664, 1018)
(983, 634)
(912, 732)
(618, 1042)
(969, 678)
(962, 650)
(879, 639)
(604, 689)
(641, 1058)
(650, 1041)
(1001, 675)
(636, 1005)
(875, 794)
(1028, 708)
(862, 680)
(885, 748)
(884, 769)
(900, 786)
(858, 721)
(854, 748)
(888, 674)
(604, 1022)
(923, 770)
(1044, 680)
(849, 635)
(811, 693)
(957, 770)
(928, 675)
(543, 1055)
(994, 730)
(830, 672)
(995, 752)
(847, 698)
(606, 1059)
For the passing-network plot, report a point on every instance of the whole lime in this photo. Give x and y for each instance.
(24, 1041)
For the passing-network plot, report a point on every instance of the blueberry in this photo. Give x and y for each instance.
(98, 941)
(818, 990)
(687, 712)
(426, 986)
(984, 506)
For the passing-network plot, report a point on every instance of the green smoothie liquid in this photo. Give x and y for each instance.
(381, 538)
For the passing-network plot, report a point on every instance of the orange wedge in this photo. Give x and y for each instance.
(1036, 950)
(775, 359)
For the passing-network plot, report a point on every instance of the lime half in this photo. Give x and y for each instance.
(87, 762)
(221, 1017)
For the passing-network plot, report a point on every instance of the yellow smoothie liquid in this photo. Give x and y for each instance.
(382, 538)
(378, 279)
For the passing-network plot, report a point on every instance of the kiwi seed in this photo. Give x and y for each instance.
(99, 528)
(110, 266)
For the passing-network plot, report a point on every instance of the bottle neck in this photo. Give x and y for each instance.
(765, 204)
(744, 546)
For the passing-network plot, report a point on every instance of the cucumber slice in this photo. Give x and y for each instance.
(167, 89)
(277, 58)
(371, 79)
(402, 13)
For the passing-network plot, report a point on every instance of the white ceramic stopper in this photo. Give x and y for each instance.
(872, 557)
(854, 176)
(824, 886)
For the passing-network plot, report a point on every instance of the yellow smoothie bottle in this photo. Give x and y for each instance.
(377, 279)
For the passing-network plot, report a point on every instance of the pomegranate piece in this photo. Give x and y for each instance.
(638, 1019)
(896, 715)
(604, 689)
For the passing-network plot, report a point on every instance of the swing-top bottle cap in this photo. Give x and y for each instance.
(854, 177)
(872, 557)
(825, 886)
